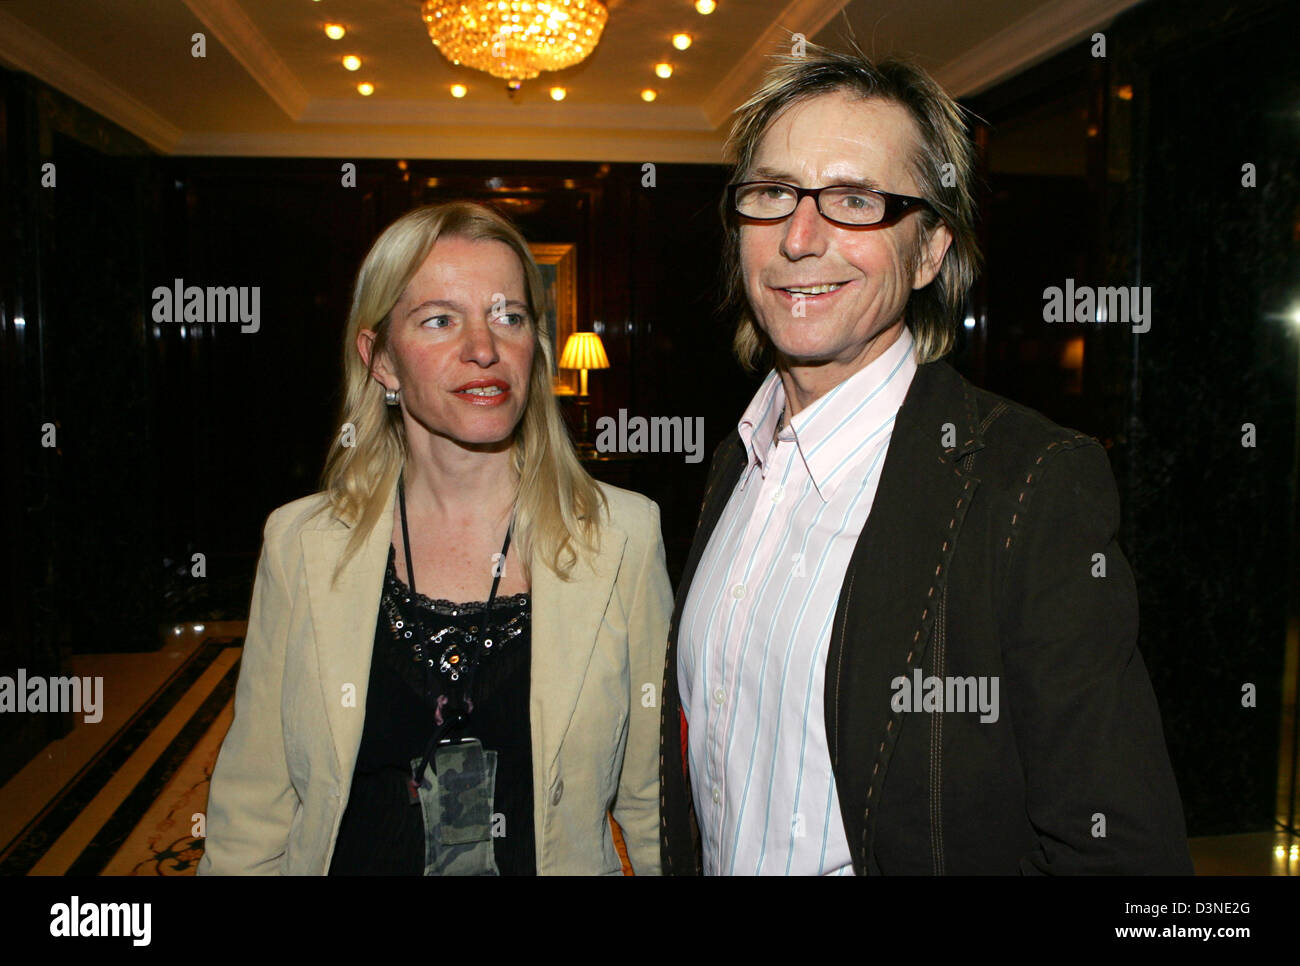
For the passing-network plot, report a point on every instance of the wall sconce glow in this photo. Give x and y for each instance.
(969, 322)
(664, 70)
(558, 93)
(705, 7)
(352, 62)
(459, 90)
(365, 88)
(334, 31)
(681, 41)
(19, 322)
(1294, 316)
(649, 95)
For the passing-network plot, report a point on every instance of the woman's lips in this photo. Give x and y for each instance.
(483, 392)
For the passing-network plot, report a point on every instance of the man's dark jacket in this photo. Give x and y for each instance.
(983, 555)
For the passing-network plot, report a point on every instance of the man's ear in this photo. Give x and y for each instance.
(381, 371)
(932, 252)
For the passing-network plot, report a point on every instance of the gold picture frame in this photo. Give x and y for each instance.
(559, 265)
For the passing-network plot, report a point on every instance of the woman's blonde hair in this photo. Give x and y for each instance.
(558, 504)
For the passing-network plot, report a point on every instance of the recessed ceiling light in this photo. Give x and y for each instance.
(459, 90)
(334, 31)
(648, 95)
(705, 6)
(365, 88)
(352, 62)
(681, 41)
(558, 93)
(664, 70)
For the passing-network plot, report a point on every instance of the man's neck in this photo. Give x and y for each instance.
(806, 382)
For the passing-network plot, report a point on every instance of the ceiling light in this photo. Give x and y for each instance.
(515, 40)
(664, 70)
(558, 93)
(648, 95)
(352, 62)
(365, 88)
(334, 31)
(681, 41)
(705, 6)
(459, 90)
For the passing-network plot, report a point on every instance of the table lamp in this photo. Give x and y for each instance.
(584, 351)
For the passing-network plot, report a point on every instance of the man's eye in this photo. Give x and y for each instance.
(854, 201)
(775, 191)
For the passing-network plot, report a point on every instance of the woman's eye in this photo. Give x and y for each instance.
(438, 322)
(511, 318)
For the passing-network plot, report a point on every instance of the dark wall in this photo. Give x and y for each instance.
(78, 517)
(1149, 192)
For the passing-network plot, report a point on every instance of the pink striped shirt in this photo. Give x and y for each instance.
(757, 621)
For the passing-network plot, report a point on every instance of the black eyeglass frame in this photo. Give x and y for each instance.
(895, 205)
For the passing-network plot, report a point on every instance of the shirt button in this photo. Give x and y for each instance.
(717, 795)
(778, 494)
(738, 591)
(557, 792)
(719, 695)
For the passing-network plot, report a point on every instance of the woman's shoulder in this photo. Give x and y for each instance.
(632, 512)
(312, 512)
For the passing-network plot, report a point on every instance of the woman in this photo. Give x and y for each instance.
(450, 648)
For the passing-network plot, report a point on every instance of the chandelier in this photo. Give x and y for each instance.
(515, 39)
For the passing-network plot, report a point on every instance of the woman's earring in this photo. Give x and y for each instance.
(390, 397)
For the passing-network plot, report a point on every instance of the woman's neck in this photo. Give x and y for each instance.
(448, 482)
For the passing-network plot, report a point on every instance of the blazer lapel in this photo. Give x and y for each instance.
(728, 463)
(343, 618)
(679, 834)
(892, 588)
(566, 619)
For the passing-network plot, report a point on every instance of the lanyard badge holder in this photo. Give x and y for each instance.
(454, 781)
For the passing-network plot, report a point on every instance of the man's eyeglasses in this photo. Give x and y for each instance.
(842, 204)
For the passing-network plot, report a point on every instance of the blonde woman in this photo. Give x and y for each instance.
(448, 648)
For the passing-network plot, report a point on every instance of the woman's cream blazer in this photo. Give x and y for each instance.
(283, 775)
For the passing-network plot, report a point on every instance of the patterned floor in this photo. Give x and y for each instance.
(131, 810)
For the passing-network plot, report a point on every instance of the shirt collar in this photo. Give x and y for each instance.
(840, 428)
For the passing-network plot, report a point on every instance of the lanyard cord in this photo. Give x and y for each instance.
(458, 715)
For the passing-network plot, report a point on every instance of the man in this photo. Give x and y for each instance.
(905, 641)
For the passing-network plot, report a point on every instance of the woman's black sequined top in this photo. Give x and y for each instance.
(421, 650)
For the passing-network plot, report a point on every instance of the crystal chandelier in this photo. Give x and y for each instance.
(515, 39)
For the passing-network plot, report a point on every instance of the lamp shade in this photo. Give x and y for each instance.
(584, 350)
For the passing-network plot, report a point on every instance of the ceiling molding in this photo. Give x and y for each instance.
(1033, 38)
(239, 35)
(456, 143)
(629, 117)
(806, 17)
(24, 49)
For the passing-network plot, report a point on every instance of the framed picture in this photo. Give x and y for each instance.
(559, 265)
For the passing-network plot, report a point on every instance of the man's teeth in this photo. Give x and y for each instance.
(815, 289)
(484, 391)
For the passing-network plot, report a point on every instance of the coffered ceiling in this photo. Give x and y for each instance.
(272, 83)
